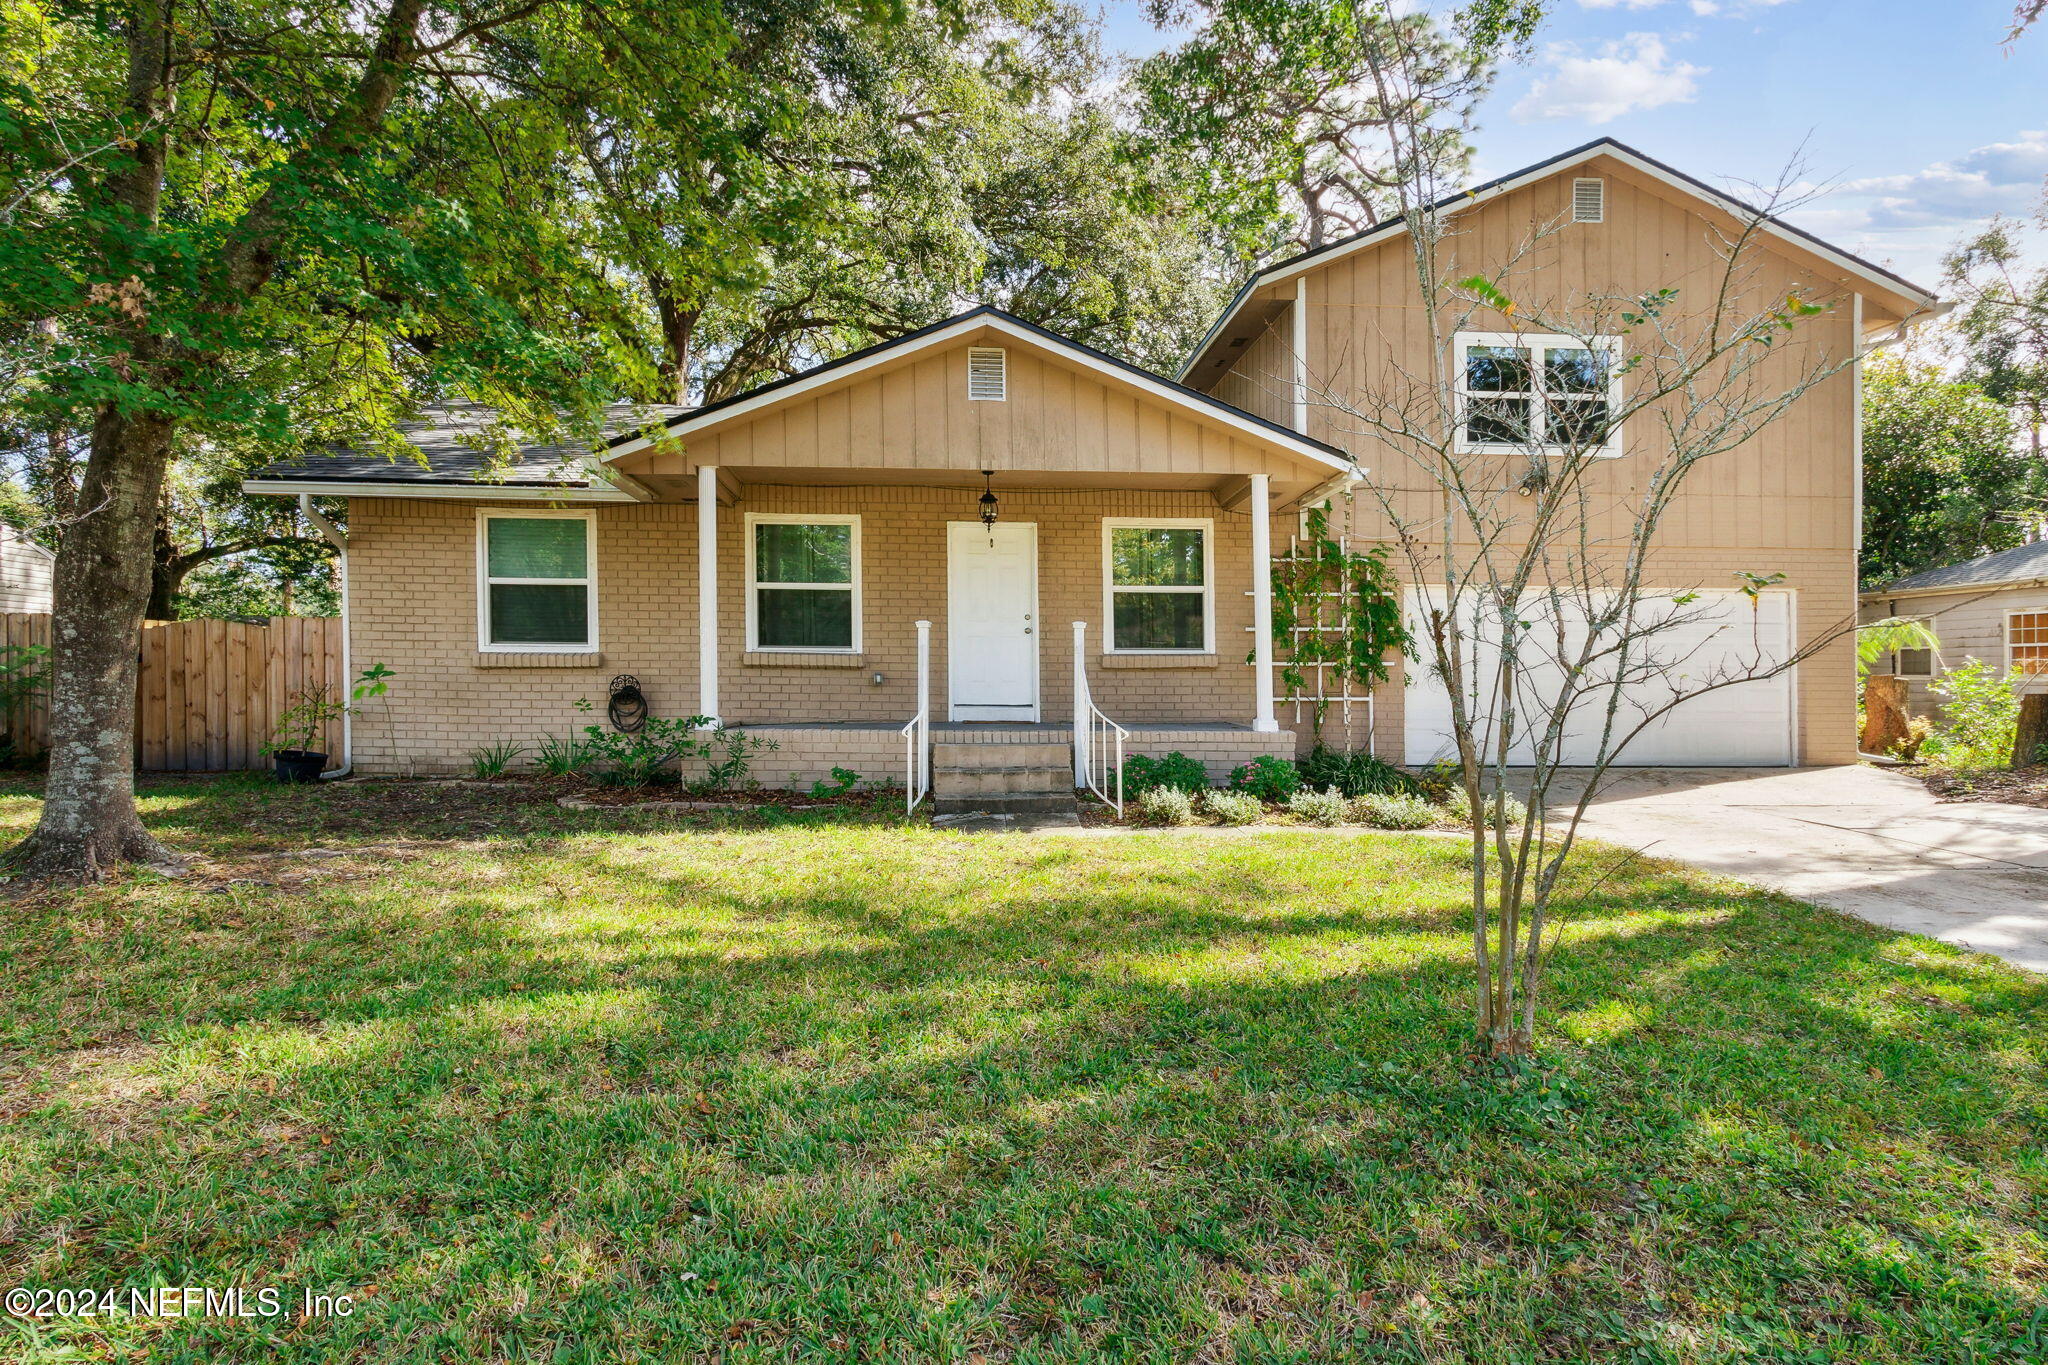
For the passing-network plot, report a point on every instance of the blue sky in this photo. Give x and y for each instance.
(1914, 117)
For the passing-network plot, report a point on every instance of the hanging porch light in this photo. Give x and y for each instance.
(989, 504)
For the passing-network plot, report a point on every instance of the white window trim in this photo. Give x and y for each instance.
(1207, 526)
(2009, 669)
(484, 580)
(1933, 658)
(1535, 341)
(753, 519)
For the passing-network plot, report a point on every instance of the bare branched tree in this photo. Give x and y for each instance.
(1548, 600)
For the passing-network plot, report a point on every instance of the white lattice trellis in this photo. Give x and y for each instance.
(1322, 682)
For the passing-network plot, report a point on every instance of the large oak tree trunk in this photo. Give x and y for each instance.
(89, 824)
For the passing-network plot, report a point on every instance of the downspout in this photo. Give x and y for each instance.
(334, 537)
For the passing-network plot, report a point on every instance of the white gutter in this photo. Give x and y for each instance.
(332, 534)
(457, 492)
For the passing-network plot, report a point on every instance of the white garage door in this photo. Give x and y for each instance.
(1714, 636)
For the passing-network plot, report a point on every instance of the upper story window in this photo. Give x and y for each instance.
(1520, 391)
(803, 583)
(536, 581)
(1157, 585)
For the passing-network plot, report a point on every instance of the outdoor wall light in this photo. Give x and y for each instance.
(989, 505)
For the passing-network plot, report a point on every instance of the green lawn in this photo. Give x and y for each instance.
(544, 1085)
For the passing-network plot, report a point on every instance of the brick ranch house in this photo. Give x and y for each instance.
(808, 560)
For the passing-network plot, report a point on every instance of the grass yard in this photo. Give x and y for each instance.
(548, 1085)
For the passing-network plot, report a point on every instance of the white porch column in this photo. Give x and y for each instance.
(707, 591)
(1262, 603)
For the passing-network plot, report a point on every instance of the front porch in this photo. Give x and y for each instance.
(808, 751)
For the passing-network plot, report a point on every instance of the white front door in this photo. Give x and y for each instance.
(992, 620)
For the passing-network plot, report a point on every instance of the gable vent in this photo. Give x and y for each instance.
(985, 378)
(1589, 201)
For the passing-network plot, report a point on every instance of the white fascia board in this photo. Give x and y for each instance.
(455, 492)
(1953, 589)
(1165, 392)
(1287, 270)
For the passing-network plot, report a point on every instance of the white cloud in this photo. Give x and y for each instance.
(1621, 76)
(1703, 8)
(1909, 218)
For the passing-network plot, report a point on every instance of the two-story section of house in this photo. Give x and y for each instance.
(1314, 341)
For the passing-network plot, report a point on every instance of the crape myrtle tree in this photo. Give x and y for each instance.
(213, 215)
(1546, 603)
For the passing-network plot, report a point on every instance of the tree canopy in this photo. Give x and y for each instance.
(1944, 477)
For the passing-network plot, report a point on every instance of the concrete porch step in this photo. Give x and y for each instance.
(1001, 781)
(1013, 803)
(952, 755)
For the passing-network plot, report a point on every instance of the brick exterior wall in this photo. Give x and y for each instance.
(413, 607)
(412, 571)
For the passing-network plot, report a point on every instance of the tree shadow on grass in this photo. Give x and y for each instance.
(922, 1096)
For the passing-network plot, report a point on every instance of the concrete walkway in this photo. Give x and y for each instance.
(1860, 839)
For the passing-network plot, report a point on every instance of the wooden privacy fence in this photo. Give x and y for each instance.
(210, 692)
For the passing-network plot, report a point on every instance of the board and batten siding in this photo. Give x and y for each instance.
(1262, 379)
(917, 416)
(1782, 502)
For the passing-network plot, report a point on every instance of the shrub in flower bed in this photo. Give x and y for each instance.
(1166, 806)
(1233, 808)
(1382, 811)
(1176, 770)
(1266, 777)
(1318, 808)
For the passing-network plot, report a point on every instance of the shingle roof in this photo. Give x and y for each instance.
(459, 443)
(2022, 565)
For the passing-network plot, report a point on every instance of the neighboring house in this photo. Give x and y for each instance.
(26, 572)
(1993, 608)
(767, 559)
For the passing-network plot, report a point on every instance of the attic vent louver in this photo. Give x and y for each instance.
(1589, 201)
(985, 377)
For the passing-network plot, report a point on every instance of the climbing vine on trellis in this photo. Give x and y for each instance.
(1322, 578)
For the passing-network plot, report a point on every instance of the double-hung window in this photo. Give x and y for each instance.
(2026, 642)
(1913, 663)
(1158, 591)
(1520, 392)
(803, 583)
(537, 581)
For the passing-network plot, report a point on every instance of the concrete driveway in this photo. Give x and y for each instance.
(1860, 839)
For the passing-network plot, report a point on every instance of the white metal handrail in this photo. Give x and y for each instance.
(1097, 739)
(917, 732)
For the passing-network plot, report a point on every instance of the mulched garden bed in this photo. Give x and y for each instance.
(2013, 786)
(577, 792)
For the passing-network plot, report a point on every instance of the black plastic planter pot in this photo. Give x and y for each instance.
(298, 765)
